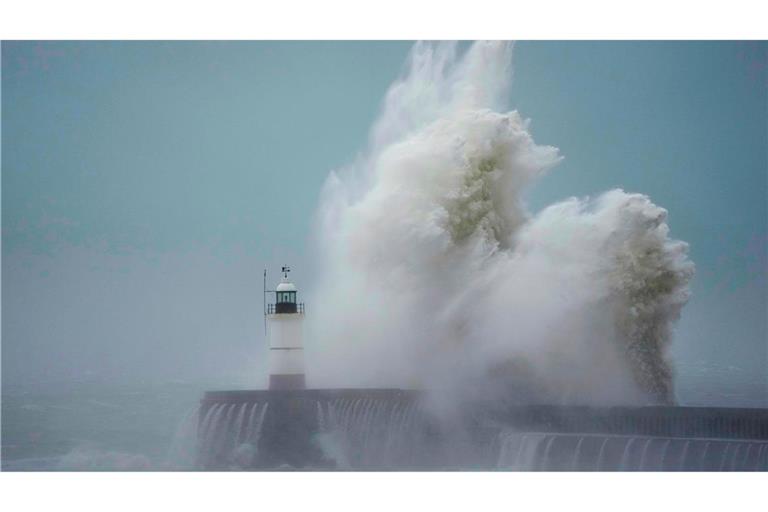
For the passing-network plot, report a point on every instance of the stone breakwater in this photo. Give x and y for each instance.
(391, 429)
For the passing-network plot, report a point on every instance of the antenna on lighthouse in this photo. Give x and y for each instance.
(265, 301)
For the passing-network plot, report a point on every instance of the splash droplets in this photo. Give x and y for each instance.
(434, 275)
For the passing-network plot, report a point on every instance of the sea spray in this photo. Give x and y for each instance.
(182, 452)
(434, 275)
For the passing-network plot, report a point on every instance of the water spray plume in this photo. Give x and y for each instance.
(434, 275)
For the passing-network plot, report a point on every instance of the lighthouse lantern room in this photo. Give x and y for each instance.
(284, 333)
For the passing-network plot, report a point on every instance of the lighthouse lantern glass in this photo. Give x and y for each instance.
(286, 297)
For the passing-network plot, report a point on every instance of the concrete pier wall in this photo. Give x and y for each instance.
(392, 429)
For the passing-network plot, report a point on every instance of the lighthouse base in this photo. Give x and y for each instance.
(287, 381)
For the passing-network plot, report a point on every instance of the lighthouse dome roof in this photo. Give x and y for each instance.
(286, 286)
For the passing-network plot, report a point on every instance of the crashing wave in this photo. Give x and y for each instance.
(435, 275)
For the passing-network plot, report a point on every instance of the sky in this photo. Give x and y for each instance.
(145, 186)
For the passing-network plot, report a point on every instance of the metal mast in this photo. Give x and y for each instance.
(265, 301)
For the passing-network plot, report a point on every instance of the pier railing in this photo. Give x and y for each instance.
(285, 307)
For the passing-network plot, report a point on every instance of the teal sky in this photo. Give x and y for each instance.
(146, 184)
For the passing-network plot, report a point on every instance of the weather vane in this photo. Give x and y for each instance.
(286, 269)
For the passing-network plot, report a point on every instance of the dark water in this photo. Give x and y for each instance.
(93, 427)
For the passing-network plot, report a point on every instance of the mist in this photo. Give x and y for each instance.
(434, 274)
(94, 319)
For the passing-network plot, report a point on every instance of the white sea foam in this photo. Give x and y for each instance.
(91, 458)
(434, 274)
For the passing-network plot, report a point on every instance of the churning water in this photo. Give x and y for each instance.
(228, 436)
(386, 434)
(352, 433)
(366, 433)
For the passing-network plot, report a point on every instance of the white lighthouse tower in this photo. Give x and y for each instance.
(286, 346)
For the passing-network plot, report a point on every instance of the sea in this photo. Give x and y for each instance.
(94, 426)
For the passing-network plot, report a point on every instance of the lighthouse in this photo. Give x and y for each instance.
(284, 332)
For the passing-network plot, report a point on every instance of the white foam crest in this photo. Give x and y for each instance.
(434, 274)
